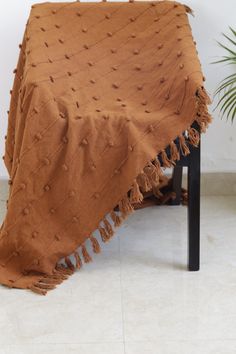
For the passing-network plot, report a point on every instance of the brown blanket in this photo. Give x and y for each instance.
(101, 91)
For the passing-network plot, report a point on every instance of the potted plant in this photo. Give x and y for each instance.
(227, 87)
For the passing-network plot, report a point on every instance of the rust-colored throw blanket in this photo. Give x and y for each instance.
(101, 91)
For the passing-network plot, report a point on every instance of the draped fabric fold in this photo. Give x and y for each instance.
(102, 92)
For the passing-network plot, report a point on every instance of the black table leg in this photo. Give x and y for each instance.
(177, 184)
(194, 209)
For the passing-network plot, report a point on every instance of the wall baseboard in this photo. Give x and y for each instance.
(217, 183)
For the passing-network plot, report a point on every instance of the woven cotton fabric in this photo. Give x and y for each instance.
(101, 90)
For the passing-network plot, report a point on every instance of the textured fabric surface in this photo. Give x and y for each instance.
(100, 91)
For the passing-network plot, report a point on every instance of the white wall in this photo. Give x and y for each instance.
(211, 18)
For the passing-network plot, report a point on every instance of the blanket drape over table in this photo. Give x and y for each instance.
(101, 91)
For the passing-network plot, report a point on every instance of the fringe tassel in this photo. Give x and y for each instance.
(78, 260)
(135, 195)
(193, 136)
(108, 228)
(152, 173)
(175, 156)
(183, 146)
(95, 244)
(69, 264)
(116, 218)
(125, 207)
(86, 255)
(166, 162)
(189, 10)
(143, 182)
(104, 236)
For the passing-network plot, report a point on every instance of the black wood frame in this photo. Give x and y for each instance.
(192, 162)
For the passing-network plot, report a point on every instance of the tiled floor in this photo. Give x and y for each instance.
(137, 296)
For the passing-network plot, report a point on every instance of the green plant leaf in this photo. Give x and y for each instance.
(227, 87)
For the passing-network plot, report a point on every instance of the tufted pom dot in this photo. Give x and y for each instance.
(123, 104)
(22, 186)
(147, 111)
(132, 19)
(84, 30)
(181, 66)
(47, 188)
(115, 85)
(73, 89)
(114, 67)
(110, 143)
(98, 110)
(105, 116)
(54, 12)
(46, 161)
(84, 142)
(177, 112)
(162, 80)
(90, 63)
(57, 26)
(78, 117)
(62, 115)
(67, 56)
(113, 50)
(179, 53)
(119, 99)
(109, 34)
(179, 39)
(167, 96)
(96, 195)
(65, 139)
(14, 71)
(136, 51)
(160, 46)
(51, 79)
(133, 35)
(69, 73)
(156, 19)
(95, 98)
(150, 128)
(75, 219)
(38, 136)
(107, 16)
(57, 237)
(60, 40)
(160, 63)
(72, 194)
(140, 87)
(26, 211)
(34, 234)
(137, 67)
(35, 109)
(116, 171)
(186, 78)
(92, 81)
(86, 46)
(78, 13)
(144, 103)
(52, 211)
(131, 148)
